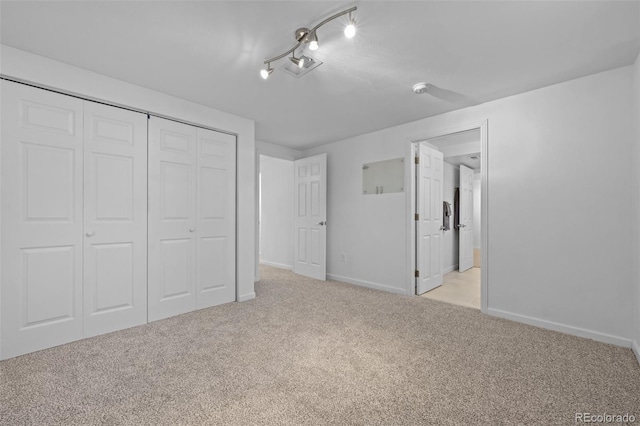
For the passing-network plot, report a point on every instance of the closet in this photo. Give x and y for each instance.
(191, 218)
(103, 226)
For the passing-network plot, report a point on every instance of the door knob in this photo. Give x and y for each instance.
(89, 234)
(442, 228)
(192, 230)
(322, 223)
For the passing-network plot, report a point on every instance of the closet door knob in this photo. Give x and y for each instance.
(192, 230)
(89, 234)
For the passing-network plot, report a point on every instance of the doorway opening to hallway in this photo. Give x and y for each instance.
(449, 225)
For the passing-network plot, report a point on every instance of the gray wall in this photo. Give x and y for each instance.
(554, 259)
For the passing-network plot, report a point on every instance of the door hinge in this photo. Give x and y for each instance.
(417, 274)
(416, 216)
(417, 160)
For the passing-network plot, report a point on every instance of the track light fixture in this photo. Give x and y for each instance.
(306, 35)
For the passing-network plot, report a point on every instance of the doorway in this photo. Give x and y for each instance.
(275, 212)
(461, 255)
(291, 214)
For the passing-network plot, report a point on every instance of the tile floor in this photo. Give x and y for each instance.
(459, 289)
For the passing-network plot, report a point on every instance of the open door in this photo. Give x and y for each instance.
(465, 234)
(310, 217)
(429, 229)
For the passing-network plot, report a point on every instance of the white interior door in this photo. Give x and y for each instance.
(41, 219)
(465, 234)
(172, 218)
(216, 218)
(115, 219)
(310, 217)
(429, 229)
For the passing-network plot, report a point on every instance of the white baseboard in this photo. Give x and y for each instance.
(449, 269)
(568, 329)
(276, 265)
(368, 284)
(245, 297)
(635, 346)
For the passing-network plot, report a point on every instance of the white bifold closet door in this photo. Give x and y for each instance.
(41, 219)
(115, 219)
(73, 261)
(191, 218)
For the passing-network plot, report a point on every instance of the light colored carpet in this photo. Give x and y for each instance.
(306, 352)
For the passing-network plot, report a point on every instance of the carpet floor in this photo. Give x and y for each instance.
(306, 352)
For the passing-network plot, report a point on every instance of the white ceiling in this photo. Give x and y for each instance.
(471, 160)
(459, 148)
(211, 52)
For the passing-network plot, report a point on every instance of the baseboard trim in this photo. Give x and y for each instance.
(635, 346)
(563, 328)
(449, 269)
(368, 284)
(276, 265)
(245, 297)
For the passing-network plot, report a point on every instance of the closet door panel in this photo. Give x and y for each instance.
(172, 218)
(216, 279)
(41, 292)
(115, 218)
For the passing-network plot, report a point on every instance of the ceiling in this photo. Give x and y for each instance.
(210, 52)
(472, 160)
(460, 148)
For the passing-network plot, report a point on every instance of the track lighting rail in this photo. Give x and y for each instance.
(305, 35)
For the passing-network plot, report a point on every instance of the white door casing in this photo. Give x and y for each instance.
(429, 178)
(115, 219)
(465, 234)
(310, 216)
(216, 213)
(172, 218)
(41, 219)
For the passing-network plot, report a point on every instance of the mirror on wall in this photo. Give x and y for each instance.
(383, 177)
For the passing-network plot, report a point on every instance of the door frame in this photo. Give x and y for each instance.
(410, 177)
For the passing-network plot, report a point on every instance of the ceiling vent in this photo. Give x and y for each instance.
(296, 71)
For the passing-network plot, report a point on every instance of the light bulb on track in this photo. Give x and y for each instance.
(313, 41)
(297, 61)
(265, 73)
(350, 29)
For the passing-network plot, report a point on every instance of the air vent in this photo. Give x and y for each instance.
(309, 64)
